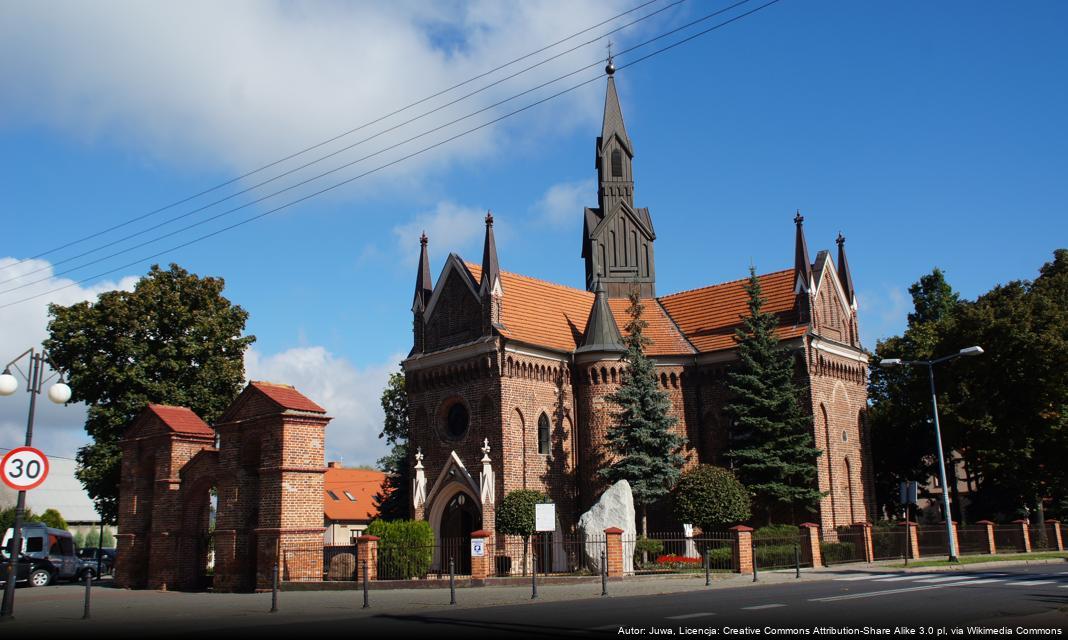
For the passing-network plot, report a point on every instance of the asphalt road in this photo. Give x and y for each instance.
(925, 603)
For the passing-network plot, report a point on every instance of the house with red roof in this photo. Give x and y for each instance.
(348, 501)
(508, 375)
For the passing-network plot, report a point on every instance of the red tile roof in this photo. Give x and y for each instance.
(362, 484)
(553, 315)
(709, 316)
(181, 420)
(287, 397)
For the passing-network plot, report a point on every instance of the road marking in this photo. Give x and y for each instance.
(690, 615)
(762, 606)
(984, 581)
(1024, 583)
(900, 578)
(887, 592)
(946, 579)
(867, 576)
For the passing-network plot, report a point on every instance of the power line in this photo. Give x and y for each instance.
(401, 159)
(333, 139)
(142, 232)
(353, 162)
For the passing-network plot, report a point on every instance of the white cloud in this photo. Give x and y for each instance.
(562, 202)
(450, 228)
(58, 430)
(883, 314)
(234, 84)
(349, 394)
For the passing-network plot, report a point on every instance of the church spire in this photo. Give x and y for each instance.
(844, 275)
(802, 265)
(617, 239)
(424, 288)
(491, 270)
(601, 334)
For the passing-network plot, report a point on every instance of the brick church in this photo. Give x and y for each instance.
(508, 375)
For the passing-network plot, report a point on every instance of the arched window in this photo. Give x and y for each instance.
(617, 164)
(543, 434)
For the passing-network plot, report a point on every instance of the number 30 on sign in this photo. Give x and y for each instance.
(24, 468)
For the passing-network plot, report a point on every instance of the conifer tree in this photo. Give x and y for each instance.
(643, 440)
(394, 497)
(771, 450)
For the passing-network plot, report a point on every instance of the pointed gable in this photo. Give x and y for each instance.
(162, 419)
(268, 398)
(454, 314)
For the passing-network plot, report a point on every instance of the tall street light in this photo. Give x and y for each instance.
(58, 393)
(896, 362)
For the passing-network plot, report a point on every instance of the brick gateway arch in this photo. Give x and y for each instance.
(263, 460)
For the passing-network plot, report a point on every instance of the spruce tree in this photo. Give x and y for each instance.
(771, 450)
(643, 440)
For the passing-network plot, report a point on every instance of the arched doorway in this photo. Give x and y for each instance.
(194, 560)
(458, 520)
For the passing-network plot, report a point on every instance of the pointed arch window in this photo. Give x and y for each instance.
(543, 434)
(617, 164)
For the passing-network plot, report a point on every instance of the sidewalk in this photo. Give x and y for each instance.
(60, 607)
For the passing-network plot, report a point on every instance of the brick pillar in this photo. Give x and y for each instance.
(367, 549)
(956, 536)
(1024, 531)
(1055, 534)
(130, 561)
(913, 539)
(480, 565)
(743, 549)
(810, 544)
(991, 546)
(613, 537)
(862, 530)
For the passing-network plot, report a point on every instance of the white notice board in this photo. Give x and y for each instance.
(545, 517)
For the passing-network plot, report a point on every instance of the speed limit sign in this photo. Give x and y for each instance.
(24, 468)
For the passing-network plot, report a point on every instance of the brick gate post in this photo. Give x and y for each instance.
(863, 529)
(367, 549)
(956, 536)
(913, 539)
(743, 548)
(991, 546)
(480, 565)
(613, 537)
(810, 544)
(1056, 536)
(1026, 533)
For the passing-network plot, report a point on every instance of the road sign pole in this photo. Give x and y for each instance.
(7, 609)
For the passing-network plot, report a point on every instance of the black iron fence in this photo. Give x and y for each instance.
(843, 545)
(673, 552)
(548, 554)
(889, 542)
(972, 539)
(1009, 538)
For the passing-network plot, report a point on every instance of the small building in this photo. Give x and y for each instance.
(348, 501)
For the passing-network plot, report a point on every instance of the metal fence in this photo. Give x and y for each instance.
(672, 552)
(778, 552)
(1009, 538)
(1043, 538)
(842, 546)
(889, 542)
(548, 554)
(933, 540)
(972, 539)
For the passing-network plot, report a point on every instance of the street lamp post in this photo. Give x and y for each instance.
(896, 362)
(58, 393)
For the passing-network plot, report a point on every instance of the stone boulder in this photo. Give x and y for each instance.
(615, 508)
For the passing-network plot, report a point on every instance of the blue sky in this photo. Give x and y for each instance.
(930, 134)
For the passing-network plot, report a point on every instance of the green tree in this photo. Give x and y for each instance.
(174, 339)
(515, 516)
(394, 498)
(643, 440)
(53, 518)
(899, 417)
(771, 448)
(710, 497)
(7, 518)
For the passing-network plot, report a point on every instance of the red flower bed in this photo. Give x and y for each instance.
(673, 559)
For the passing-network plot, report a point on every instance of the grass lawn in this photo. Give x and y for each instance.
(1046, 555)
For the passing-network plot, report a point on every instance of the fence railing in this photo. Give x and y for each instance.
(778, 552)
(889, 542)
(1009, 538)
(972, 539)
(843, 545)
(547, 553)
(672, 552)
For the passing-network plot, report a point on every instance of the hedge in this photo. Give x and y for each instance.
(405, 548)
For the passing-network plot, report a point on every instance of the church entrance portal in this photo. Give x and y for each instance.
(458, 521)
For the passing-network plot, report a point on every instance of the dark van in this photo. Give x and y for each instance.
(46, 543)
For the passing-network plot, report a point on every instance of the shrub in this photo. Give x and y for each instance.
(644, 547)
(836, 551)
(515, 514)
(776, 531)
(405, 548)
(710, 497)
